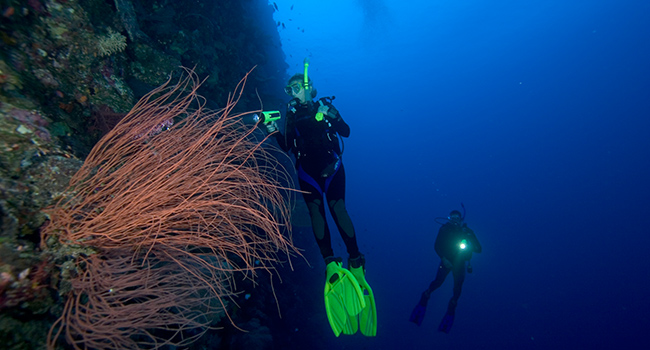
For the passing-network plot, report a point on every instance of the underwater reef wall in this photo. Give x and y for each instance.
(70, 70)
(166, 209)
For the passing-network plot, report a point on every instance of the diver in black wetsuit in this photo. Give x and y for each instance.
(312, 132)
(454, 244)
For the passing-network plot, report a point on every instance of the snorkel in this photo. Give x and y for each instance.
(308, 88)
(306, 77)
(464, 212)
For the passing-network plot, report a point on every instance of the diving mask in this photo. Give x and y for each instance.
(293, 89)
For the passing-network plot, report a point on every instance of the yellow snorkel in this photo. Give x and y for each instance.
(306, 79)
(307, 87)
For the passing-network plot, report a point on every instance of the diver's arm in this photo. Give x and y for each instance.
(337, 122)
(438, 246)
(476, 246)
(286, 141)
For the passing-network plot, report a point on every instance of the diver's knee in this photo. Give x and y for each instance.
(337, 207)
(314, 205)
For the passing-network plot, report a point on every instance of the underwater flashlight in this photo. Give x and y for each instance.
(267, 117)
(463, 244)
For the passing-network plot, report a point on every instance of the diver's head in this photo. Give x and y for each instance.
(296, 88)
(455, 217)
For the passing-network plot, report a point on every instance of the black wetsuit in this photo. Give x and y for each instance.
(320, 169)
(447, 246)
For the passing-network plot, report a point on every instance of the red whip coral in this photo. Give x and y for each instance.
(171, 215)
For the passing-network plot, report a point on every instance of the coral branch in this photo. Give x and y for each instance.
(172, 214)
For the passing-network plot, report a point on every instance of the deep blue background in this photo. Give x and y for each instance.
(536, 115)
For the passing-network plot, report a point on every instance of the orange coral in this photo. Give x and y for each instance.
(172, 214)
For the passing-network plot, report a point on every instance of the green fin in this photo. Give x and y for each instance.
(351, 326)
(343, 297)
(368, 316)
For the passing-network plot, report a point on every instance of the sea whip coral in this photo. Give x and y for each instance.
(173, 216)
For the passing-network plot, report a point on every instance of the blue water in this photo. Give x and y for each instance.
(535, 115)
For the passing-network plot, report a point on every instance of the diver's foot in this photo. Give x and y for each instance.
(446, 323)
(357, 262)
(331, 259)
(417, 315)
(343, 298)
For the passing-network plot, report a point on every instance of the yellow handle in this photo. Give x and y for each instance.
(319, 116)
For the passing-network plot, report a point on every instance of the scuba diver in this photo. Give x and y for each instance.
(455, 244)
(312, 132)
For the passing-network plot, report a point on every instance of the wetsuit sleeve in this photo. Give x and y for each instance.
(337, 122)
(286, 141)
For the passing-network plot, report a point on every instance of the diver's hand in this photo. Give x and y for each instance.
(271, 127)
(447, 263)
(323, 108)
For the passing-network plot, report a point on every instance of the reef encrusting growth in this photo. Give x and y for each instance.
(69, 71)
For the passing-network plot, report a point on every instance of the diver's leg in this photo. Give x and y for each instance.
(319, 225)
(336, 202)
(459, 278)
(437, 282)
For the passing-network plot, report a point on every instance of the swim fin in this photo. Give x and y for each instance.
(368, 317)
(343, 297)
(446, 323)
(420, 309)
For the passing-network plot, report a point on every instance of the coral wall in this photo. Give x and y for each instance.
(69, 71)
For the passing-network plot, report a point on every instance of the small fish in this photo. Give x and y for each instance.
(292, 7)
(278, 24)
(276, 6)
(283, 27)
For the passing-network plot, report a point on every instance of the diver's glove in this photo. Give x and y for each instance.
(322, 111)
(271, 127)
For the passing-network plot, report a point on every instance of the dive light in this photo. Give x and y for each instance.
(463, 244)
(267, 117)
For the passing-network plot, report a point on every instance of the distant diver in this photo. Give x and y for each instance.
(455, 244)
